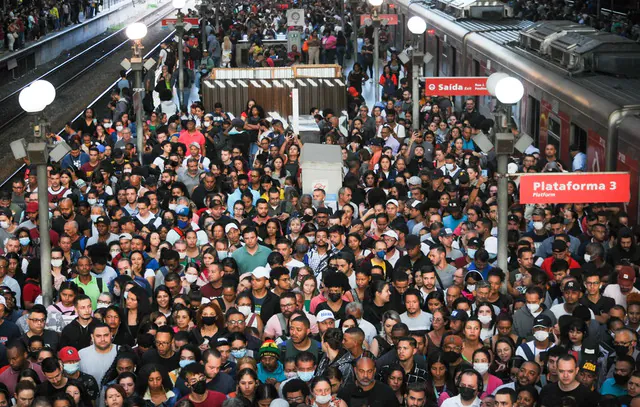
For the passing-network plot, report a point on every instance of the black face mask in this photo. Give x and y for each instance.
(450, 356)
(620, 379)
(334, 297)
(621, 350)
(200, 387)
(466, 393)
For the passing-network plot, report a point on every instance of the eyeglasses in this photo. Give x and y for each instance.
(162, 343)
(626, 344)
(38, 320)
(237, 322)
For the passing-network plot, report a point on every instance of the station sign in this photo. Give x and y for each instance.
(391, 19)
(456, 86)
(571, 187)
(174, 21)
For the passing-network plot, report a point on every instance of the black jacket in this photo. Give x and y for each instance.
(270, 306)
(75, 335)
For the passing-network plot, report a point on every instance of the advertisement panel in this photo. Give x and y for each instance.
(391, 19)
(457, 86)
(571, 187)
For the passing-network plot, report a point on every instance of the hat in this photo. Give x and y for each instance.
(182, 210)
(393, 202)
(453, 339)
(195, 144)
(453, 206)
(269, 348)
(589, 366)
(474, 241)
(475, 274)
(491, 245)
(68, 354)
(444, 232)
(2, 300)
(573, 286)
(230, 226)
(377, 142)
(237, 123)
(260, 272)
(100, 148)
(543, 321)
(324, 211)
(279, 403)
(559, 244)
(324, 315)
(103, 219)
(126, 236)
(415, 180)
(5, 290)
(513, 218)
(151, 180)
(391, 233)
(32, 207)
(626, 275)
(416, 204)
(411, 242)
(436, 174)
(457, 315)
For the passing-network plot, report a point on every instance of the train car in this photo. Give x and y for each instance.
(581, 86)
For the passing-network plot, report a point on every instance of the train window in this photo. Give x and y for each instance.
(476, 68)
(534, 120)
(578, 136)
(553, 132)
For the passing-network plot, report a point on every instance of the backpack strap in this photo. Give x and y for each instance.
(527, 352)
(100, 284)
(283, 323)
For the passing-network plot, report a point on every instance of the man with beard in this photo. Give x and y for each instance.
(626, 280)
(625, 250)
(276, 326)
(299, 331)
(469, 388)
(68, 212)
(366, 391)
(195, 379)
(528, 375)
(617, 385)
(571, 293)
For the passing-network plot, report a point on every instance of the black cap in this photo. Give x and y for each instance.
(436, 174)
(453, 206)
(513, 218)
(458, 315)
(542, 320)
(377, 142)
(151, 180)
(324, 211)
(559, 244)
(103, 219)
(411, 241)
(573, 286)
(474, 241)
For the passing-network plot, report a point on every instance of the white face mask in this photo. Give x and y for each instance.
(172, 207)
(107, 125)
(207, 124)
(541, 335)
(191, 278)
(471, 287)
(533, 307)
(538, 225)
(56, 262)
(587, 257)
(182, 255)
(245, 310)
(92, 201)
(484, 319)
(114, 253)
(481, 368)
(4, 225)
(119, 128)
(323, 399)
(449, 167)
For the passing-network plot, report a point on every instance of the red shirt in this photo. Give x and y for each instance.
(214, 399)
(546, 265)
(187, 138)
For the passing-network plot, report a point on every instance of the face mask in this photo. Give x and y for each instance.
(334, 297)
(103, 304)
(484, 319)
(567, 221)
(199, 387)
(323, 399)
(107, 125)
(184, 363)
(481, 368)
(207, 124)
(182, 224)
(449, 167)
(316, 202)
(450, 356)
(209, 320)
(381, 254)
(541, 336)
(127, 171)
(305, 376)
(587, 257)
(222, 254)
(172, 207)
(240, 353)
(466, 393)
(56, 262)
(533, 307)
(471, 287)
(94, 218)
(24, 241)
(183, 255)
(92, 201)
(289, 375)
(245, 310)
(114, 253)
(4, 225)
(116, 291)
(311, 239)
(167, 222)
(620, 379)
(302, 248)
(71, 368)
(190, 278)
(620, 350)
(538, 225)
(119, 128)
(472, 252)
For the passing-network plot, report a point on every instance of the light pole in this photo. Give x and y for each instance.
(354, 20)
(179, 5)
(417, 26)
(375, 20)
(33, 100)
(508, 91)
(136, 32)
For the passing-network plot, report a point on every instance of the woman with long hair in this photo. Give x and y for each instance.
(155, 380)
(65, 306)
(481, 362)
(227, 48)
(114, 396)
(394, 377)
(120, 333)
(210, 324)
(247, 383)
(320, 388)
(137, 308)
(383, 343)
(152, 242)
(273, 233)
(162, 300)
(471, 338)
(354, 241)
(438, 329)
(374, 310)
(503, 350)
(138, 271)
(439, 373)
(486, 315)
(309, 288)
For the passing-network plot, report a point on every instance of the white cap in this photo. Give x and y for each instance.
(3, 301)
(512, 168)
(230, 226)
(126, 236)
(260, 272)
(392, 201)
(391, 233)
(324, 315)
(491, 245)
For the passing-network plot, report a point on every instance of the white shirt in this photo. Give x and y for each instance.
(456, 402)
(613, 291)
(420, 323)
(368, 329)
(558, 310)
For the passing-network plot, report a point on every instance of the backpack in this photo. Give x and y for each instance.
(171, 58)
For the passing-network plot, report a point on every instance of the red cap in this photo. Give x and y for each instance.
(353, 91)
(68, 354)
(32, 207)
(626, 275)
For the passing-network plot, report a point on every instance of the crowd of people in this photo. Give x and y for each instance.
(197, 274)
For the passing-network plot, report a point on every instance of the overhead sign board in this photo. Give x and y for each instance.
(389, 19)
(173, 21)
(295, 17)
(456, 86)
(571, 187)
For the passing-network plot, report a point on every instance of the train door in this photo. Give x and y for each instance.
(534, 120)
(554, 133)
(579, 137)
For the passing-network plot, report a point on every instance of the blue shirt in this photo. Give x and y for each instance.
(472, 266)
(277, 374)
(468, 145)
(451, 223)
(610, 387)
(579, 162)
(237, 196)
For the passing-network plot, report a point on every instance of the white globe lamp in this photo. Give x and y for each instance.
(179, 3)
(44, 90)
(493, 80)
(136, 31)
(417, 25)
(509, 90)
(376, 3)
(30, 101)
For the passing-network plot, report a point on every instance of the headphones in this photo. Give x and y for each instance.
(470, 371)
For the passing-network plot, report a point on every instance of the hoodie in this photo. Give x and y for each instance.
(523, 321)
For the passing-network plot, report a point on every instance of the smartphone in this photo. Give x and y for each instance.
(485, 173)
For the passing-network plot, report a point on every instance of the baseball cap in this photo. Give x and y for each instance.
(392, 201)
(626, 276)
(103, 219)
(445, 232)
(391, 233)
(453, 206)
(573, 286)
(559, 244)
(474, 241)
(195, 144)
(542, 321)
(415, 204)
(230, 226)
(182, 210)
(126, 236)
(513, 218)
(68, 354)
(589, 366)
(457, 315)
(324, 315)
(32, 207)
(377, 142)
(260, 272)
(436, 174)
(453, 339)
(411, 241)
(416, 181)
